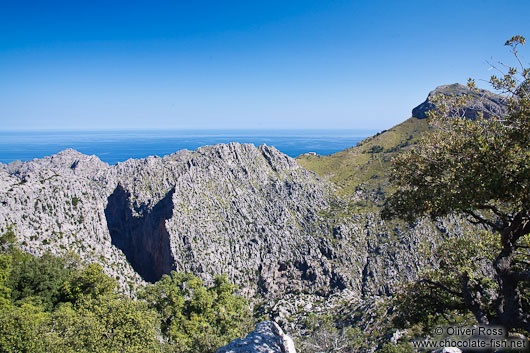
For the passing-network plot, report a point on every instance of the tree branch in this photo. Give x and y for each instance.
(482, 220)
(472, 302)
(440, 286)
(521, 276)
(522, 247)
(503, 216)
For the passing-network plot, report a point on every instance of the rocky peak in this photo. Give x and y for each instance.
(249, 212)
(190, 211)
(66, 161)
(482, 101)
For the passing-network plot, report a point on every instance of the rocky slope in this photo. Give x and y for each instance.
(250, 212)
(367, 165)
(295, 241)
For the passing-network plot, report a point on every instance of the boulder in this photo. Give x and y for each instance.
(268, 337)
(449, 350)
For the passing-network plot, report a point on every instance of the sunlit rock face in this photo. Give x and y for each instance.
(250, 212)
(268, 337)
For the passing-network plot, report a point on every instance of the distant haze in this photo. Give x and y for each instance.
(240, 64)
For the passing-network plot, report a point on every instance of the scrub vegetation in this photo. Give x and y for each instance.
(58, 304)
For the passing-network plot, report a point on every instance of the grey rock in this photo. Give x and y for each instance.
(449, 350)
(482, 101)
(268, 337)
(396, 336)
(249, 212)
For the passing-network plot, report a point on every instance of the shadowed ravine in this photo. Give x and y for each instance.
(144, 240)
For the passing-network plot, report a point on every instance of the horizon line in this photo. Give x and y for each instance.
(44, 130)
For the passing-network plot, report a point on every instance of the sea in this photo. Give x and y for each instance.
(118, 146)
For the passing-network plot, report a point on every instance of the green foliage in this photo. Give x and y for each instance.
(87, 283)
(5, 270)
(75, 201)
(465, 165)
(479, 169)
(38, 279)
(55, 304)
(23, 329)
(196, 318)
(52, 304)
(403, 347)
(7, 252)
(367, 163)
(436, 299)
(376, 149)
(105, 324)
(8, 240)
(324, 335)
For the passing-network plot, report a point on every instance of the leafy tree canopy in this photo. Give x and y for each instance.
(89, 282)
(479, 169)
(38, 279)
(197, 318)
(54, 304)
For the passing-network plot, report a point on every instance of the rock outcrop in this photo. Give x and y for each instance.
(268, 337)
(275, 228)
(449, 350)
(482, 101)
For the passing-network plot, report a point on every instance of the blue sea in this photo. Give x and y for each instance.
(118, 146)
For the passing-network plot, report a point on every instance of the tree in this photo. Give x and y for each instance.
(7, 246)
(8, 240)
(104, 324)
(38, 278)
(196, 318)
(479, 169)
(89, 282)
(323, 335)
(23, 328)
(5, 270)
(52, 304)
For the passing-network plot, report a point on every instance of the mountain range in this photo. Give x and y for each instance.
(296, 235)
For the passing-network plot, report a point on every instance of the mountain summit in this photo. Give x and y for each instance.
(480, 101)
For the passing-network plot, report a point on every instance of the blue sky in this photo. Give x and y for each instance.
(241, 64)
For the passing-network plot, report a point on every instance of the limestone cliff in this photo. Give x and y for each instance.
(250, 212)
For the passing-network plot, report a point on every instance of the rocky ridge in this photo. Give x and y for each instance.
(250, 212)
(296, 243)
(479, 101)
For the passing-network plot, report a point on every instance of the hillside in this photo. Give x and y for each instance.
(295, 242)
(366, 166)
(249, 212)
(368, 162)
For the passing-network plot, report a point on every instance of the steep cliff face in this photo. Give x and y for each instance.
(251, 212)
(236, 209)
(57, 204)
(144, 240)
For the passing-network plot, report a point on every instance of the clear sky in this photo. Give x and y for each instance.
(240, 64)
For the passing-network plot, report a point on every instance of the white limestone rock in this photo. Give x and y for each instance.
(268, 337)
